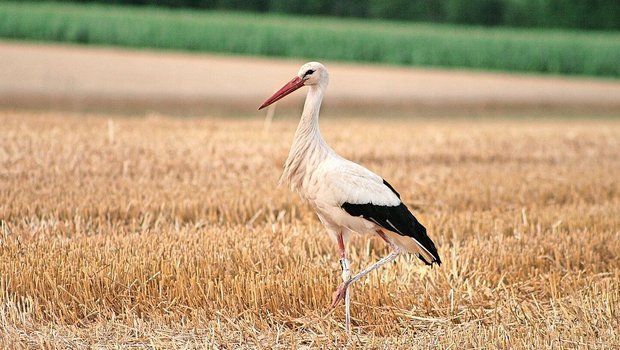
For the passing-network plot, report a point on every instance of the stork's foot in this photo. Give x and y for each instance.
(340, 294)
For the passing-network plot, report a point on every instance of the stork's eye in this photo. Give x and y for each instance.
(308, 72)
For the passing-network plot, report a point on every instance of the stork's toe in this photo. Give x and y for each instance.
(339, 294)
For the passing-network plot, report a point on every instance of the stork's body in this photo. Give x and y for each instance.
(347, 197)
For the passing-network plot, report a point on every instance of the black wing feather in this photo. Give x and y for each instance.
(397, 219)
(391, 188)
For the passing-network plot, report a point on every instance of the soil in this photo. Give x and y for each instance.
(84, 78)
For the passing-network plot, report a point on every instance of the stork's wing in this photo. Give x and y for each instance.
(361, 192)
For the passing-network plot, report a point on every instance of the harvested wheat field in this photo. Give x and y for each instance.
(172, 233)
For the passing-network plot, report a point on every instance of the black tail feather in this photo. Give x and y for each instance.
(397, 219)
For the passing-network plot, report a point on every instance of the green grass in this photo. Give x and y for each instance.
(547, 51)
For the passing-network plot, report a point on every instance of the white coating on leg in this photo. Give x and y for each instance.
(346, 275)
(347, 310)
(390, 257)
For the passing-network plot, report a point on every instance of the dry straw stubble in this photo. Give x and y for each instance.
(172, 233)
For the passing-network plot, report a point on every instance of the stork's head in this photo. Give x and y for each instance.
(311, 73)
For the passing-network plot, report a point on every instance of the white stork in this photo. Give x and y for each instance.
(346, 196)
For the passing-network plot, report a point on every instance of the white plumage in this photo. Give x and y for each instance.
(345, 181)
(342, 181)
(347, 197)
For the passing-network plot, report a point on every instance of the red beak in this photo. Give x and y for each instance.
(291, 86)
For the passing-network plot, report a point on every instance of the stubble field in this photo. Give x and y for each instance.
(172, 233)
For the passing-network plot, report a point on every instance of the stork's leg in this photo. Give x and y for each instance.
(342, 289)
(346, 276)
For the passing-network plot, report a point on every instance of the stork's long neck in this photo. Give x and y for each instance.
(308, 148)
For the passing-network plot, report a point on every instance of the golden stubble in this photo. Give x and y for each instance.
(172, 233)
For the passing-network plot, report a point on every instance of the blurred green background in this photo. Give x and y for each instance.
(545, 36)
(580, 14)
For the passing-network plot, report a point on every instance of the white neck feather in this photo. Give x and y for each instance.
(308, 148)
